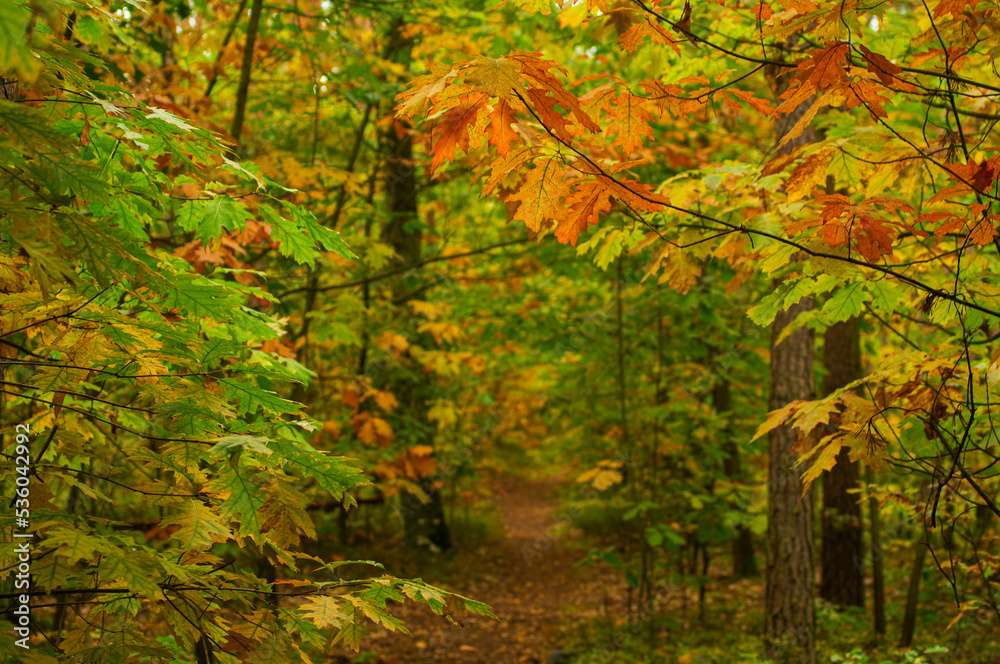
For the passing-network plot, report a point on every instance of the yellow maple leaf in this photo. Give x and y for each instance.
(602, 477)
(443, 412)
(497, 77)
(386, 400)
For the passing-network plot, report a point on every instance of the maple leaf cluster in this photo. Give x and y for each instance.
(502, 99)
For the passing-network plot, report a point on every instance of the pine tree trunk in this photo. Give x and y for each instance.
(424, 522)
(789, 618)
(842, 581)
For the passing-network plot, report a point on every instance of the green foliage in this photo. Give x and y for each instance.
(160, 443)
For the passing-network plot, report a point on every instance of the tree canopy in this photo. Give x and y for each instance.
(268, 268)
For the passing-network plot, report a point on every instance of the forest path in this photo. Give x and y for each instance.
(529, 579)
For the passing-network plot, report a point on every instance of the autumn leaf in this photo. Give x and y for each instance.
(826, 67)
(807, 175)
(538, 69)
(541, 196)
(423, 90)
(453, 131)
(630, 122)
(826, 459)
(590, 200)
(543, 7)
(497, 77)
(604, 476)
(385, 400)
(877, 64)
(762, 106)
(324, 611)
(954, 7)
(983, 231)
(867, 94)
(501, 133)
(803, 120)
(632, 39)
(776, 418)
(552, 119)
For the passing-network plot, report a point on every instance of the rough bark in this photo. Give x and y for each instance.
(789, 618)
(842, 580)
(8, 88)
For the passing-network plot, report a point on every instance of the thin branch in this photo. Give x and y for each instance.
(408, 267)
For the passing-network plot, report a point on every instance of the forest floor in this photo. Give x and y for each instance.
(529, 578)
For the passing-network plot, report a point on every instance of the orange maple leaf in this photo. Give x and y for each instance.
(452, 131)
(760, 105)
(422, 90)
(541, 196)
(545, 107)
(501, 133)
(843, 222)
(866, 93)
(630, 121)
(981, 175)
(983, 230)
(886, 71)
(825, 69)
(503, 165)
(632, 38)
(954, 7)
(637, 196)
(586, 205)
(537, 69)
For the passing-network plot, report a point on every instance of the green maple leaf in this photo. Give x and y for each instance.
(74, 545)
(22, 123)
(199, 526)
(245, 498)
(325, 237)
(292, 242)
(846, 303)
(201, 297)
(250, 399)
(209, 218)
(352, 633)
(134, 568)
(332, 474)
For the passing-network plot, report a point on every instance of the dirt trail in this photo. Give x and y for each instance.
(529, 579)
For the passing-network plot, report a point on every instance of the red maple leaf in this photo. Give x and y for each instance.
(587, 204)
(452, 131)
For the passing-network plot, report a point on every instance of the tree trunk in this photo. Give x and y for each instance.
(244, 85)
(842, 581)
(912, 596)
(8, 88)
(789, 618)
(878, 575)
(744, 564)
(424, 522)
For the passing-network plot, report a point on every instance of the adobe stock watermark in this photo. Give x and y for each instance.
(22, 539)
